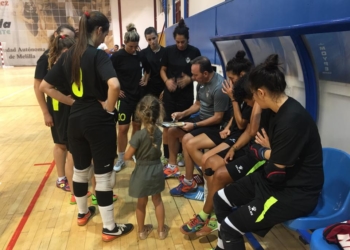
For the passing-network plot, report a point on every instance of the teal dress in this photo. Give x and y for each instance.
(147, 178)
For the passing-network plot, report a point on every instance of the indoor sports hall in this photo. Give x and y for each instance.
(312, 41)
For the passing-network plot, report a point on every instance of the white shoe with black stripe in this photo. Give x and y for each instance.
(119, 230)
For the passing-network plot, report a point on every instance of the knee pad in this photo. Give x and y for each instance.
(209, 171)
(105, 182)
(81, 176)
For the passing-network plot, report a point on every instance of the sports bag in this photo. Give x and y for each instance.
(338, 234)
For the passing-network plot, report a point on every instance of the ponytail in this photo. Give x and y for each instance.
(150, 111)
(58, 32)
(88, 23)
(268, 75)
(58, 44)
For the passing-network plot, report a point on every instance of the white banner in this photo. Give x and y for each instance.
(25, 25)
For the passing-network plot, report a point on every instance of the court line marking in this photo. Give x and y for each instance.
(42, 164)
(29, 210)
(15, 93)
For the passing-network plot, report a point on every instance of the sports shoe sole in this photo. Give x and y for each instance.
(177, 175)
(92, 212)
(117, 169)
(201, 233)
(108, 238)
(198, 195)
(194, 190)
(187, 233)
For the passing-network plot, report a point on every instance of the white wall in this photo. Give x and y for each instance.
(334, 117)
(196, 6)
(140, 13)
(115, 21)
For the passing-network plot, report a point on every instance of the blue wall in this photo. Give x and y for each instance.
(247, 16)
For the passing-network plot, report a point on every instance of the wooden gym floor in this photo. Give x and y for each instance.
(34, 214)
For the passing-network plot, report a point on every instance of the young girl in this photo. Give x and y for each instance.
(147, 178)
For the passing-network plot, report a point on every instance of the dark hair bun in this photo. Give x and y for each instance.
(271, 63)
(182, 24)
(240, 54)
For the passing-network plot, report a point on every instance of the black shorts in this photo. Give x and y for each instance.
(241, 166)
(260, 206)
(213, 134)
(60, 114)
(199, 130)
(93, 136)
(239, 153)
(175, 103)
(231, 140)
(126, 111)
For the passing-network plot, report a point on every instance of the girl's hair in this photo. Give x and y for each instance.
(239, 64)
(131, 35)
(88, 23)
(181, 29)
(58, 44)
(242, 89)
(58, 32)
(268, 75)
(150, 30)
(150, 111)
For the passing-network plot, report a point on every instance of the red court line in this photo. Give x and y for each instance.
(25, 217)
(42, 164)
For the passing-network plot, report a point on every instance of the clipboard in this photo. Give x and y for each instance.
(173, 124)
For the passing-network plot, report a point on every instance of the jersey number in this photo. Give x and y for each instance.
(78, 91)
(121, 117)
(55, 104)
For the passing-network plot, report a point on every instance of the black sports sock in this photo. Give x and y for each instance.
(166, 151)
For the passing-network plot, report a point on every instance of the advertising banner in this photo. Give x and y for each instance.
(26, 25)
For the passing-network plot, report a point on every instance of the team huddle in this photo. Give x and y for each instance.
(259, 150)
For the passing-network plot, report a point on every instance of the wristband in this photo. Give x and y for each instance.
(109, 112)
(262, 151)
(195, 125)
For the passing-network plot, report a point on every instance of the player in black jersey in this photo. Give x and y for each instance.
(88, 75)
(60, 149)
(128, 65)
(176, 74)
(291, 180)
(153, 55)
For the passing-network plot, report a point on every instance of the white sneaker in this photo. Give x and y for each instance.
(118, 166)
(180, 160)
